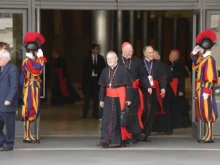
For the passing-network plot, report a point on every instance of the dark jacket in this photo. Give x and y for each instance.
(9, 84)
(88, 68)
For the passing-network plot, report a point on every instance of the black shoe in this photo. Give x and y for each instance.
(147, 139)
(37, 141)
(205, 141)
(168, 132)
(99, 143)
(135, 139)
(105, 145)
(96, 117)
(27, 141)
(83, 117)
(31, 141)
(6, 149)
(124, 143)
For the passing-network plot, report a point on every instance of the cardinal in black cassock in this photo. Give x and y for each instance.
(62, 89)
(162, 122)
(115, 93)
(158, 80)
(180, 107)
(138, 72)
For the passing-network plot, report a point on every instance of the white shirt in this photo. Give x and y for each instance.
(94, 59)
(147, 59)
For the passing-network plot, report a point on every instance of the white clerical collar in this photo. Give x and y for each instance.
(124, 56)
(30, 55)
(114, 66)
(147, 59)
(207, 54)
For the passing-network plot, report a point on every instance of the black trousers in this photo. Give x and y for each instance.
(150, 109)
(91, 89)
(7, 119)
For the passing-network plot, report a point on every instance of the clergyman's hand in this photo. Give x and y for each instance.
(101, 104)
(128, 103)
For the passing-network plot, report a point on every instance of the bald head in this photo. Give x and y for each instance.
(148, 52)
(174, 55)
(112, 58)
(156, 55)
(127, 50)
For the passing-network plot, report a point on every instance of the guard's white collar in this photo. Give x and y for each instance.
(30, 55)
(207, 54)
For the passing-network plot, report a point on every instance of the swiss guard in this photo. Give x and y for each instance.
(32, 68)
(207, 77)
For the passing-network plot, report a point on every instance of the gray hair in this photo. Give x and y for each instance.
(111, 52)
(5, 54)
(144, 49)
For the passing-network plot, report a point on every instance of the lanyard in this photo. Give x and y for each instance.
(124, 62)
(149, 71)
(110, 82)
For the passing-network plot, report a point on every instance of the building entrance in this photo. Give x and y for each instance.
(71, 33)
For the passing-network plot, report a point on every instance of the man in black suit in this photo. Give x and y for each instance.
(93, 66)
(9, 83)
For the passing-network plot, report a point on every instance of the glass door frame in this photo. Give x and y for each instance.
(19, 131)
(24, 19)
(209, 13)
(196, 125)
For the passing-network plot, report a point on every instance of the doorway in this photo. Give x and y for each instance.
(71, 32)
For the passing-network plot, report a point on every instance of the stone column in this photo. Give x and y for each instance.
(160, 29)
(112, 22)
(145, 31)
(175, 33)
(131, 27)
(119, 30)
(101, 30)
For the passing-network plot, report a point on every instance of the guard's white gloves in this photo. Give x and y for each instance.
(205, 96)
(40, 53)
(196, 50)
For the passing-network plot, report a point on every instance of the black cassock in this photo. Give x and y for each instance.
(62, 89)
(118, 77)
(155, 68)
(180, 105)
(162, 122)
(137, 71)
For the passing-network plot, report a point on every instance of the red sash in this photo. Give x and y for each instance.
(159, 97)
(136, 84)
(174, 84)
(121, 93)
(63, 86)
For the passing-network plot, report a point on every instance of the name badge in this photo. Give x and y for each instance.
(171, 69)
(151, 80)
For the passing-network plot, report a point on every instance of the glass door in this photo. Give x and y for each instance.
(213, 23)
(37, 123)
(196, 122)
(13, 27)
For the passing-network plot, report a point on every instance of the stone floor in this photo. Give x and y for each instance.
(65, 120)
(66, 139)
(83, 151)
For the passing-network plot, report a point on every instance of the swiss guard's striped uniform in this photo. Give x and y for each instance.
(32, 69)
(206, 79)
